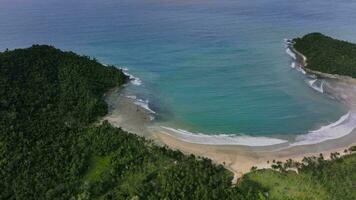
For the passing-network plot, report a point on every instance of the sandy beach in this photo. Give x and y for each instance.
(124, 112)
(239, 159)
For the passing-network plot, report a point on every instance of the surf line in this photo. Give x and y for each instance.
(342, 127)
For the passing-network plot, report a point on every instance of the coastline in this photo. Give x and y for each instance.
(127, 113)
(238, 159)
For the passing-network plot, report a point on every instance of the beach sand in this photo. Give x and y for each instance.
(239, 159)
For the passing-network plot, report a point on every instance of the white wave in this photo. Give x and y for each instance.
(223, 139)
(293, 65)
(294, 56)
(133, 79)
(299, 69)
(124, 68)
(142, 103)
(131, 97)
(291, 54)
(136, 81)
(344, 126)
(312, 76)
(313, 84)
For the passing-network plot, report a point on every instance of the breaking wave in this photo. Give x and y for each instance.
(316, 85)
(223, 139)
(291, 54)
(142, 103)
(344, 126)
(133, 79)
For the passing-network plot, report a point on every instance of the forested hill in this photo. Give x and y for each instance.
(51, 149)
(328, 55)
(46, 98)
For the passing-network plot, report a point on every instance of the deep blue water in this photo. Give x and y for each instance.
(206, 66)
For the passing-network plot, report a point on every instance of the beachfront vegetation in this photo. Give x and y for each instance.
(51, 146)
(327, 55)
(314, 179)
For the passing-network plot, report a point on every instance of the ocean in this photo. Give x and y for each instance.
(217, 68)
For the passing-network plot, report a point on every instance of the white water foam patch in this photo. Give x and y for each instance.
(301, 70)
(313, 84)
(142, 103)
(131, 97)
(136, 81)
(133, 79)
(223, 139)
(344, 126)
(124, 68)
(291, 54)
(293, 65)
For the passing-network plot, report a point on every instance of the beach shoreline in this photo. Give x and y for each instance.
(125, 112)
(238, 159)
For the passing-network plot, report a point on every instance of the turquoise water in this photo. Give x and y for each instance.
(206, 66)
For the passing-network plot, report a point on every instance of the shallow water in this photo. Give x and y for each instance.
(205, 66)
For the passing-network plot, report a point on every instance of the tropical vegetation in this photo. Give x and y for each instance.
(327, 55)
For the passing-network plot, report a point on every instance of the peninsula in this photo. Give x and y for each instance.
(327, 55)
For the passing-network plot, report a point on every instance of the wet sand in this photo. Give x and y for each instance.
(240, 159)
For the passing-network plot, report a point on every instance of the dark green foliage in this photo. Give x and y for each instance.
(352, 149)
(317, 178)
(46, 97)
(338, 175)
(328, 55)
(147, 171)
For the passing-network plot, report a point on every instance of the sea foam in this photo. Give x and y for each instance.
(291, 54)
(293, 65)
(314, 84)
(223, 139)
(133, 79)
(142, 103)
(344, 126)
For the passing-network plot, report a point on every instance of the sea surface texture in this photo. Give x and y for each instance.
(214, 67)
